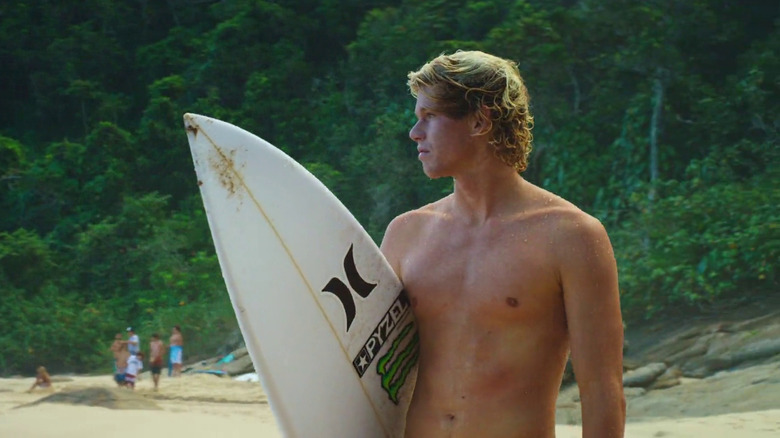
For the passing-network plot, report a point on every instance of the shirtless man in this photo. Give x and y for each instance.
(156, 350)
(116, 348)
(175, 353)
(504, 277)
(121, 365)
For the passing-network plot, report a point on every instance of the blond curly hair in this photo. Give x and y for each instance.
(465, 82)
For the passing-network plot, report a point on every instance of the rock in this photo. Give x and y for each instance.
(241, 365)
(644, 376)
(239, 352)
(699, 348)
(670, 378)
(631, 364)
(630, 393)
(757, 350)
(712, 363)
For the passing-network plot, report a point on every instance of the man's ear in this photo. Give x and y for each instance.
(482, 124)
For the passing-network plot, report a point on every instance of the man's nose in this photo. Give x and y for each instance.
(416, 133)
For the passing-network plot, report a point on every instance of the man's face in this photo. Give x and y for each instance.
(444, 144)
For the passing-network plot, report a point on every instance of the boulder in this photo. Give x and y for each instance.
(722, 359)
(644, 376)
(238, 366)
(670, 377)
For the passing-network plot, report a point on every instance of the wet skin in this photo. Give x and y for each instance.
(504, 279)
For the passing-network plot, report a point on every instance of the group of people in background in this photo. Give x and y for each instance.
(129, 359)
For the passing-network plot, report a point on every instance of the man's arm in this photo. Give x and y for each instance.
(591, 297)
(394, 242)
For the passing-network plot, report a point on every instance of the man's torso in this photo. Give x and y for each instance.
(155, 352)
(493, 336)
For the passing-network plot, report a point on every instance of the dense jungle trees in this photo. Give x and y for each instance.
(658, 117)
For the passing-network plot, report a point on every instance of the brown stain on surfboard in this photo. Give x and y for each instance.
(224, 166)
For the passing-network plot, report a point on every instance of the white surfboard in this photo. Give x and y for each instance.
(326, 322)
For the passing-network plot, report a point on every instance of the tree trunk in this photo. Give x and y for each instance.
(655, 128)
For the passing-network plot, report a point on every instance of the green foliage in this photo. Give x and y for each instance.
(102, 225)
(26, 262)
(12, 156)
(708, 238)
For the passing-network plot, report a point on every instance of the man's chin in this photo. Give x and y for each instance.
(432, 173)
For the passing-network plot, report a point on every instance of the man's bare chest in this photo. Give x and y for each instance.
(495, 274)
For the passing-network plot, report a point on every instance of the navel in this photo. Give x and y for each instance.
(512, 302)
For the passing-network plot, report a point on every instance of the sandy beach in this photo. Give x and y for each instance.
(202, 405)
(193, 406)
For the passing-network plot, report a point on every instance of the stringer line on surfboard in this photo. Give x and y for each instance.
(229, 165)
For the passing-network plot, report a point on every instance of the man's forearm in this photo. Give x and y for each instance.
(604, 414)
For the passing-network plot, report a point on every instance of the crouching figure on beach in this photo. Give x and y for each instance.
(42, 380)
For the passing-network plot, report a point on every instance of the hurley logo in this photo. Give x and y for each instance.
(356, 282)
(399, 360)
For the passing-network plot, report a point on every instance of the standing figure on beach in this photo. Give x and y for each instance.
(156, 349)
(116, 348)
(505, 278)
(122, 356)
(42, 379)
(175, 352)
(133, 342)
(134, 366)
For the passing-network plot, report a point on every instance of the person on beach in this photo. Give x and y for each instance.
(156, 349)
(506, 280)
(116, 347)
(42, 379)
(175, 352)
(134, 366)
(133, 342)
(121, 365)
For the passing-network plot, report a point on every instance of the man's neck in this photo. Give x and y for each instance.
(488, 194)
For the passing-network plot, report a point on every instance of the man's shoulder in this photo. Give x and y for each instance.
(406, 228)
(572, 224)
(413, 219)
(573, 231)
(559, 211)
(563, 219)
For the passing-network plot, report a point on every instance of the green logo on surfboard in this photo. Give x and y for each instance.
(400, 358)
(395, 366)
